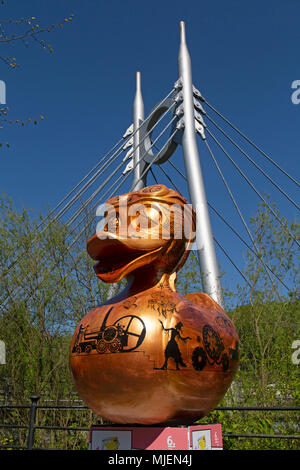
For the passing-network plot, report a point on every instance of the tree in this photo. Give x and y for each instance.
(46, 286)
(270, 322)
(267, 321)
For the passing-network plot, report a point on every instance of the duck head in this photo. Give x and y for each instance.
(154, 225)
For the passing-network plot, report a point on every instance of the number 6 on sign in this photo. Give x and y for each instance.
(170, 442)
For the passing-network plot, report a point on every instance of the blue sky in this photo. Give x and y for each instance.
(245, 56)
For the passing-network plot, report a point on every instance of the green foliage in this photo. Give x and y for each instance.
(188, 277)
(245, 423)
(43, 295)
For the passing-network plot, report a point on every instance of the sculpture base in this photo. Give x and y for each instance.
(117, 437)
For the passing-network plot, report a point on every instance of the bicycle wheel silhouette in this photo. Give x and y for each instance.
(132, 331)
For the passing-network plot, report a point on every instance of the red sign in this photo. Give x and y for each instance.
(198, 437)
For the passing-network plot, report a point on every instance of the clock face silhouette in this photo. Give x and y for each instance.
(212, 342)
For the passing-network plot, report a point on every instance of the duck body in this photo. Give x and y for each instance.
(150, 356)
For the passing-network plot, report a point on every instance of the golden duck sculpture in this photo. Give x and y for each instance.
(148, 355)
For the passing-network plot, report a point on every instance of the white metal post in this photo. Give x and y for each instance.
(205, 244)
(138, 118)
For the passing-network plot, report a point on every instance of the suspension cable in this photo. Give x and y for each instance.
(53, 210)
(230, 226)
(116, 189)
(220, 246)
(132, 169)
(141, 158)
(153, 175)
(253, 162)
(130, 137)
(241, 216)
(158, 155)
(232, 262)
(252, 186)
(168, 177)
(251, 143)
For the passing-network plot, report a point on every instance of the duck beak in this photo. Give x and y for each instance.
(117, 256)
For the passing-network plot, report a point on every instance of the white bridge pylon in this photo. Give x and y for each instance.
(186, 122)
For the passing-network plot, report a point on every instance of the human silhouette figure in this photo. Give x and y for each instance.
(172, 349)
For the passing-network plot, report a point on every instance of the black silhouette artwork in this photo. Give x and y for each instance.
(129, 303)
(214, 350)
(162, 304)
(172, 349)
(111, 338)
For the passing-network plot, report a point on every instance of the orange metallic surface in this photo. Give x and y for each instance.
(149, 355)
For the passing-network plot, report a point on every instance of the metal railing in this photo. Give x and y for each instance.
(32, 425)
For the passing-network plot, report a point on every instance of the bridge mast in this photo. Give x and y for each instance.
(209, 269)
(138, 118)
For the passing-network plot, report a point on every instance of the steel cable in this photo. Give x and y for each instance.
(229, 225)
(218, 243)
(253, 162)
(241, 217)
(251, 143)
(252, 186)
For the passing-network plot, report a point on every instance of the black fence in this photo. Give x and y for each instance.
(29, 429)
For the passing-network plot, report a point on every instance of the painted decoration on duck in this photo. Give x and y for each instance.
(148, 355)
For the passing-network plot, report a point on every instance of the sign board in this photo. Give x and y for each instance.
(201, 437)
(206, 437)
(2, 353)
